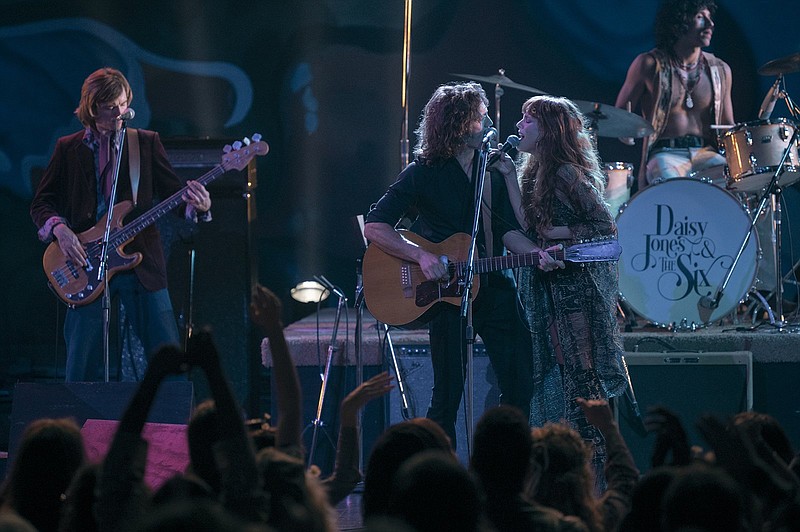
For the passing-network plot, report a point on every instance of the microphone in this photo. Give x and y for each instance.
(511, 142)
(491, 134)
(127, 115)
(765, 111)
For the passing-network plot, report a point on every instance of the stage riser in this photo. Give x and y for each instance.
(688, 384)
(93, 400)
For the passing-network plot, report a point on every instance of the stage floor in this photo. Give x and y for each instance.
(767, 343)
(771, 378)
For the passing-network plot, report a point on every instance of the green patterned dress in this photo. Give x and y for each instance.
(576, 308)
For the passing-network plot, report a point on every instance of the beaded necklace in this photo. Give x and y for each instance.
(689, 77)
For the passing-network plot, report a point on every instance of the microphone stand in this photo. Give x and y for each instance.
(466, 298)
(326, 375)
(707, 305)
(358, 305)
(102, 268)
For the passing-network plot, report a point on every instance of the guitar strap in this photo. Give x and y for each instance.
(134, 162)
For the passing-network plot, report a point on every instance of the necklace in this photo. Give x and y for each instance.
(688, 80)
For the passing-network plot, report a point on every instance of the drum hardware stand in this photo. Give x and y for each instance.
(498, 95)
(706, 305)
(332, 348)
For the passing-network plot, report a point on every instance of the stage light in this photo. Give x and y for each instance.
(310, 292)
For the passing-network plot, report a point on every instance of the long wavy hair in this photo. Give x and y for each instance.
(445, 123)
(564, 145)
(566, 481)
(674, 18)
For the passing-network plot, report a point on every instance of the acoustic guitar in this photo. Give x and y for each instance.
(397, 293)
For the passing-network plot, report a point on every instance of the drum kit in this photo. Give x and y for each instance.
(690, 249)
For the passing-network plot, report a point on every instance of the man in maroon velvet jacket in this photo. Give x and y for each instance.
(72, 197)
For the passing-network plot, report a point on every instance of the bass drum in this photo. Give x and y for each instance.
(679, 239)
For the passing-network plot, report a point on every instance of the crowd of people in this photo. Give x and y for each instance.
(518, 477)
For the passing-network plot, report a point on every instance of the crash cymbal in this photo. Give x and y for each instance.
(499, 79)
(612, 121)
(783, 65)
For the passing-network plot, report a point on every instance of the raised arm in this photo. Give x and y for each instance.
(346, 474)
(265, 311)
(122, 495)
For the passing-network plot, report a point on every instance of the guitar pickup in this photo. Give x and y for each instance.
(59, 278)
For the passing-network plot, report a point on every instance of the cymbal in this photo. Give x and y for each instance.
(612, 121)
(782, 65)
(499, 79)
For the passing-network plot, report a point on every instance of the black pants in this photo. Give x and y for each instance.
(496, 319)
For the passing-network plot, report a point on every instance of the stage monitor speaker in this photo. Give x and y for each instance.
(212, 267)
(417, 375)
(93, 400)
(688, 384)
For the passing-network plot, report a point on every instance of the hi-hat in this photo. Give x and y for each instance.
(500, 79)
(783, 65)
(610, 121)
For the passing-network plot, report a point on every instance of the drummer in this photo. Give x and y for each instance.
(681, 90)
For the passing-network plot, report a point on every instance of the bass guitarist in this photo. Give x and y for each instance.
(438, 186)
(72, 197)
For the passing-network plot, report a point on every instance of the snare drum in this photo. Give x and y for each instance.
(753, 151)
(618, 187)
(679, 239)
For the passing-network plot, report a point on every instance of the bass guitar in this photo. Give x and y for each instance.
(79, 285)
(397, 292)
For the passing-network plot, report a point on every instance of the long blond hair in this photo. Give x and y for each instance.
(564, 142)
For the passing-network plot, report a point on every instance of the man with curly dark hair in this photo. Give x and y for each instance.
(682, 91)
(439, 186)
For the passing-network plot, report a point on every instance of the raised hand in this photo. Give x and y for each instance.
(373, 388)
(265, 310)
(597, 412)
(670, 436)
(168, 360)
(202, 352)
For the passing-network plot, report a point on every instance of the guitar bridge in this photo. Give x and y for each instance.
(405, 280)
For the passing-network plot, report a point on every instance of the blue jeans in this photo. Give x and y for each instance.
(149, 313)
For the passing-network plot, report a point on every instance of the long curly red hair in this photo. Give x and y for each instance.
(564, 145)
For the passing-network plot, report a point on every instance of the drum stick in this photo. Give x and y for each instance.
(722, 126)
